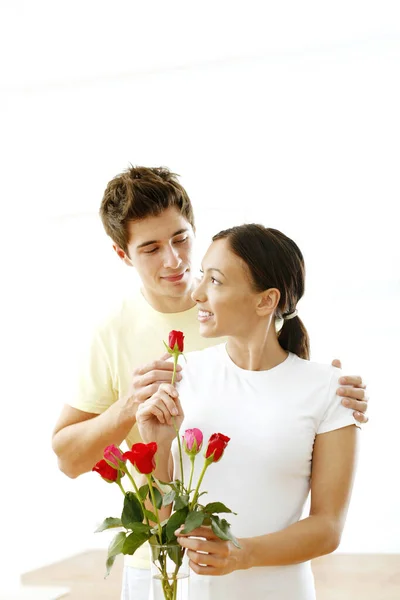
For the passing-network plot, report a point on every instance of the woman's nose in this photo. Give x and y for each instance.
(198, 294)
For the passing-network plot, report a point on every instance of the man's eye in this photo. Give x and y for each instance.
(151, 251)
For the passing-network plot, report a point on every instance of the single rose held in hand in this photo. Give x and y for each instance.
(176, 338)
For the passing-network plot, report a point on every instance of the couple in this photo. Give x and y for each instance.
(260, 382)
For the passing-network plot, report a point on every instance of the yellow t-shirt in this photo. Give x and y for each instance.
(132, 336)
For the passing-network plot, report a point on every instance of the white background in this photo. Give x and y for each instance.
(282, 113)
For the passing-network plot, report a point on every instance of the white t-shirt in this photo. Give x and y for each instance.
(272, 418)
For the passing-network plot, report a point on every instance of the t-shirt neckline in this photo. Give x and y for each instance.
(255, 374)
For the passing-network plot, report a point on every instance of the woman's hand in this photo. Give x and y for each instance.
(157, 415)
(221, 558)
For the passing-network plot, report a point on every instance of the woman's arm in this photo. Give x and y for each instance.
(333, 469)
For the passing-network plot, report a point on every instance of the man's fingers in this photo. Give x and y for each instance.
(351, 392)
(155, 376)
(361, 417)
(355, 380)
(157, 365)
(359, 406)
(147, 392)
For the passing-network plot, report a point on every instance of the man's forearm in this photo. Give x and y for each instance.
(302, 541)
(80, 445)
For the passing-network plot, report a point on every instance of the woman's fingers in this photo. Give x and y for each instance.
(148, 410)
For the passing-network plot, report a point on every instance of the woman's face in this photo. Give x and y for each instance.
(225, 299)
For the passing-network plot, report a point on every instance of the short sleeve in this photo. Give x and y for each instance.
(336, 415)
(93, 391)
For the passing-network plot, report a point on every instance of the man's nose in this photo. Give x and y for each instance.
(172, 260)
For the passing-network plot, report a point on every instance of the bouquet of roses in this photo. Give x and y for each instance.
(140, 520)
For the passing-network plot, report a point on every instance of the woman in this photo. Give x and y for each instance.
(253, 276)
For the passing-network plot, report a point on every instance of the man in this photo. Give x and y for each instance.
(149, 217)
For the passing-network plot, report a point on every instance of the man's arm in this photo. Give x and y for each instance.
(354, 394)
(79, 437)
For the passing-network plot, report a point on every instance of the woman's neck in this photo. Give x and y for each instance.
(259, 351)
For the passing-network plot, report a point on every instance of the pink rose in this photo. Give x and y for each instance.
(192, 441)
(112, 455)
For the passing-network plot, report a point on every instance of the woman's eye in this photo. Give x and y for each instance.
(180, 241)
(215, 281)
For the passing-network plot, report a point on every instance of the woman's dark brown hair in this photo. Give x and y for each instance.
(274, 261)
(137, 193)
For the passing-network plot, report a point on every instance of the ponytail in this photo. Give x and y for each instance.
(293, 337)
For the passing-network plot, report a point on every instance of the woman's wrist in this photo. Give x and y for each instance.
(246, 554)
(162, 471)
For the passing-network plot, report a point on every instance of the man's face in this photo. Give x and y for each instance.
(160, 250)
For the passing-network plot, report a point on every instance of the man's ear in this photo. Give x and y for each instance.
(268, 301)
(122, 255)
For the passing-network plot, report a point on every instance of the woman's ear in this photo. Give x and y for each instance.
(268, 301)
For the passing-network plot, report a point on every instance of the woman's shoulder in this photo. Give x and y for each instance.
(314, 369)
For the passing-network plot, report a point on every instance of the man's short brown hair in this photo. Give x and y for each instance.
(141, 192)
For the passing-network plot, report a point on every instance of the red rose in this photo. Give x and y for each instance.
(106, 471)
(216, 446)
(142, 457)
(176, 337)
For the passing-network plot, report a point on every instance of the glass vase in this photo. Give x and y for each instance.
(169, 572)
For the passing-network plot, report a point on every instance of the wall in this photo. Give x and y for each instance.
(305, 141)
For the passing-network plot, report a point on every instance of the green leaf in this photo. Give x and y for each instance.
(176, 520)
(132, 512)
(163, 485)
(222, 529)
(140, 534)
(217, 507)
(114, 548)
(109, 523)
(175, 552)
(158, 497)
(181, 502)
(169, 498)
(109, 564)
(143, 491)
(193, 520)
(150, 515)
(168, 349)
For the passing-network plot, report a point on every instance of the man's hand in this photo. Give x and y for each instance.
(354, 397)
(211, 556)
(148, 378)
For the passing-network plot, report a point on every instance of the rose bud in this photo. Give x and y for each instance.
(216, 446)
(112, 455)
(107, 472)
(176, 337)
(192, 441)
